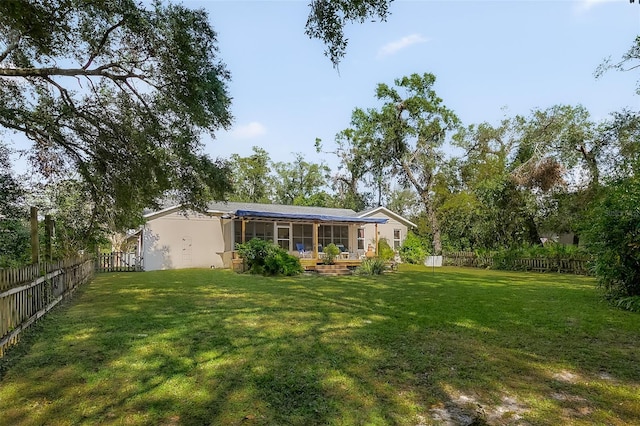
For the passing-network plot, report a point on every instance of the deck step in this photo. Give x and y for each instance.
(332, 270)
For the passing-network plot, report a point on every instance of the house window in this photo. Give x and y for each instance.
(360, 238)
(396, 239)
(283, 237)
(303, 234)
(253, 229)
(336, 234)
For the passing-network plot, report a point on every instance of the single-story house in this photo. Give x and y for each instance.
(173, 239)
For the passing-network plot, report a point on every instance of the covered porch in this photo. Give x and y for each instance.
(306, 235)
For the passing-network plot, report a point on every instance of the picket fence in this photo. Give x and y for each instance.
(118, 262)
(26, 294)
(578, 265)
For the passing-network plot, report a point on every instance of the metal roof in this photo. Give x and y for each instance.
(307, 217)
(232, 207)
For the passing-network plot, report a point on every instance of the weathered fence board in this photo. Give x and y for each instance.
(539, 264)
(118, 262)
(468, 259)
(28, 293)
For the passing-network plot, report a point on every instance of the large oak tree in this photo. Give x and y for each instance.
(118, 94)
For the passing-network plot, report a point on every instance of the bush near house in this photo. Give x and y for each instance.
(385, 251)
(414, 249)
(371, 266)
(265, 258)
(331, 251)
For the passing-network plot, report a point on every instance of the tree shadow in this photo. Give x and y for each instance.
(213, 347)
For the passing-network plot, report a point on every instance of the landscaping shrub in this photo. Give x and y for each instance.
(414, 249)
(279, 262)
(264, 257)
(372, 266)
(385, 252)
(330, 253)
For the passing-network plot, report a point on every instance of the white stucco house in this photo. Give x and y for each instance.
(174, 239)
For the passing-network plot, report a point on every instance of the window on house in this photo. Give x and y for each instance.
(253, 229)
(336, 234)
(396, 239)
(360, 238)
(303, 234)
(283, 237)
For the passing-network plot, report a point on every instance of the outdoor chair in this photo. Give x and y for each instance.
(301, 251)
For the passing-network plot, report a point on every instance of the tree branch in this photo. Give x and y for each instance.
(10, 48)
(101, 71)
(102, 43)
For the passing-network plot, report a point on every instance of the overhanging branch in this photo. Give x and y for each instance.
(101, 44)
(102, 71)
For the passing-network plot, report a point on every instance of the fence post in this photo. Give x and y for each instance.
(35, 241)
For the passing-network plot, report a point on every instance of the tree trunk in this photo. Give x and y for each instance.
(423, 192)
(435, 229)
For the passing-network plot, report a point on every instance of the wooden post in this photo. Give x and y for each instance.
(244, 226)
(376, 239)
(35, 243)
(48, 237)
(315, 239)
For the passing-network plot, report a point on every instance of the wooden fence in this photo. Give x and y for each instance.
(539, 264)
(28, 293)
(467, 259)
(118, 262)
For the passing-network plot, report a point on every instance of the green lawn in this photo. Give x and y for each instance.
(414, 347)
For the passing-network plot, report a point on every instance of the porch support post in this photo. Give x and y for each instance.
(244, 227)
(315, 239)
(376, 249)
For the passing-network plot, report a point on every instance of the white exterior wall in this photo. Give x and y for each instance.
(385, 230)
(176, 241)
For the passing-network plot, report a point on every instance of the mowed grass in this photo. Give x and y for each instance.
(199, 347)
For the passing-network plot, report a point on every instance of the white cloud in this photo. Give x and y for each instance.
(249, 131)
(394, 46)
(585, 5)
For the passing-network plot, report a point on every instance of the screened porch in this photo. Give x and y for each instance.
(306, 236)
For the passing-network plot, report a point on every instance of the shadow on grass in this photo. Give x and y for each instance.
(211, 347)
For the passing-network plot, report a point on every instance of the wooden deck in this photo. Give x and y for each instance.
(310, 264)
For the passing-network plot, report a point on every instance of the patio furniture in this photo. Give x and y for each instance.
(302, 252)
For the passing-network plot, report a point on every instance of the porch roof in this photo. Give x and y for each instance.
(249, 214)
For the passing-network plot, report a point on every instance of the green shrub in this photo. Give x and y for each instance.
(266, 258)
(330, 253)
(631, 303)
(385, 252)
(372, 266)
(613, 236)
(414, 249)
(279, 262)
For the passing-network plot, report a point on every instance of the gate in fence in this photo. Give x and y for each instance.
(118, 262)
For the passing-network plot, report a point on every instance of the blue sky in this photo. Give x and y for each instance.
(486, 55)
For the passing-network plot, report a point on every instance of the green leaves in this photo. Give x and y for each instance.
(146, 81)
(402, 139)
(327, 20)
(613, 235)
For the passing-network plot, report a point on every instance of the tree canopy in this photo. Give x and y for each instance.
(328, 18)
(117, 93)
(404, 136)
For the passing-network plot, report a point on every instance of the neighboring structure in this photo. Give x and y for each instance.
(173, 239)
